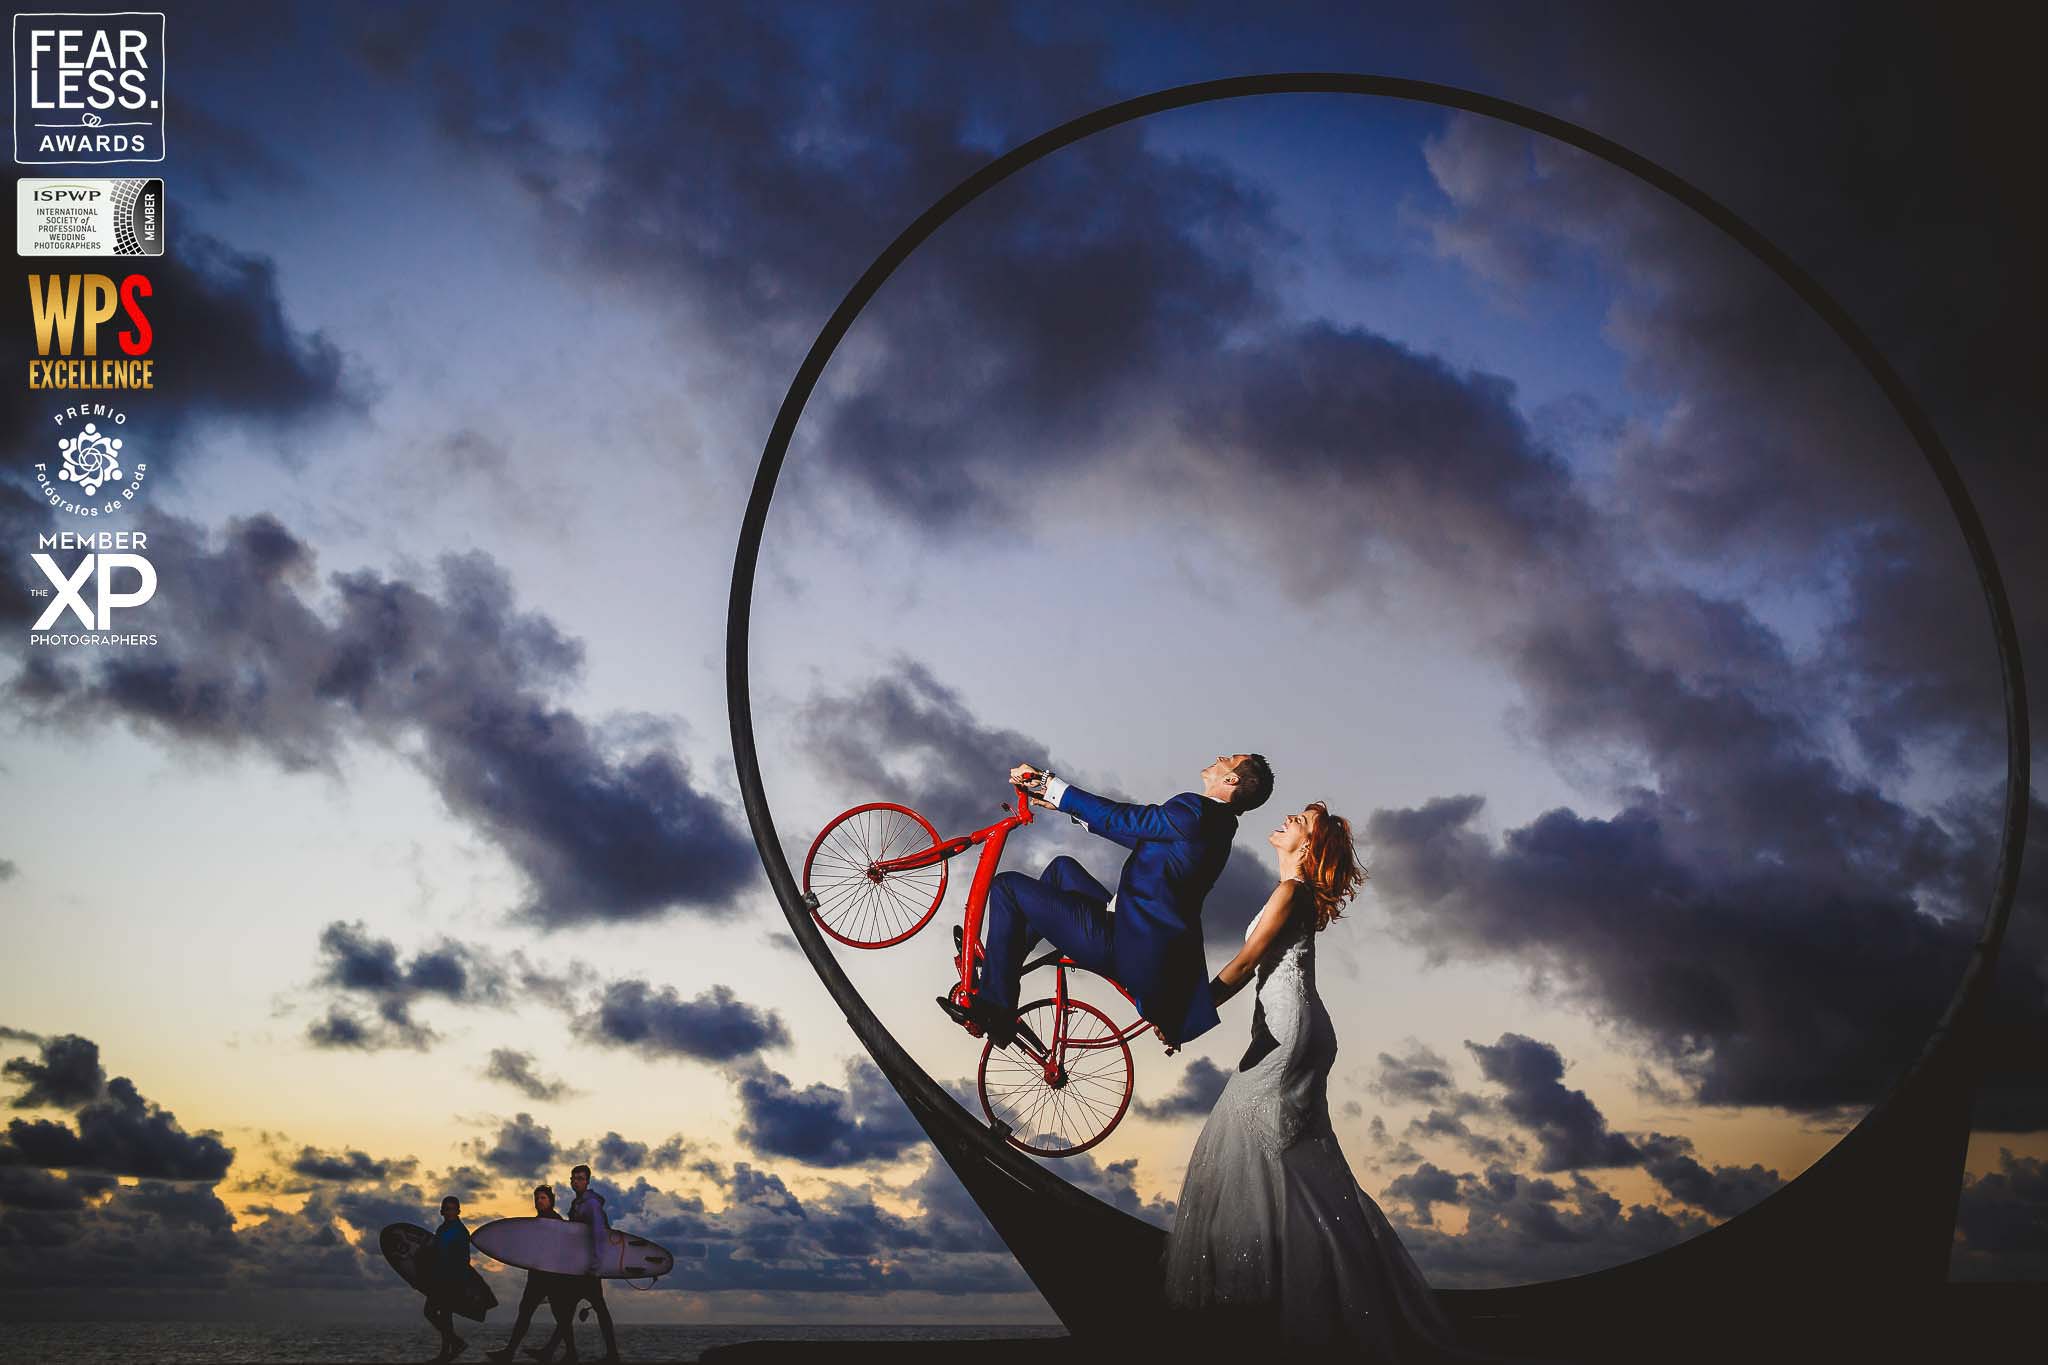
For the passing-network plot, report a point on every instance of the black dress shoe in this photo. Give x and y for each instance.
(997, 1024)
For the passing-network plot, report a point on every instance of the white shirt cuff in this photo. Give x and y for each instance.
(1055, 788)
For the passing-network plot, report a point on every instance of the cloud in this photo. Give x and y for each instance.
(349, 1167)
(119, 1133)
(1201, 1082)
(68, 1075)
(843, 1238)
(2003, 1222)
(609, 1153)
(26, 1188)
(1522, 1228)
(1749, 982)
(823, 1125)
(516, 1069)
(603, 821)
(520, 1149)
(905, 736)
(1723, 1191)
(715, 1026)
(1481, 1146)
(1423, 1188)
(1571, 1128)
(369, 969)
(1034, 331)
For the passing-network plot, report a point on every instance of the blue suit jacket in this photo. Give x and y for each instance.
(1178, 849)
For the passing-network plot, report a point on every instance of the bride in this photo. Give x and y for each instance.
(1273, 1237)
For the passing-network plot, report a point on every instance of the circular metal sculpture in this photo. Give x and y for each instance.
(1870, 1223)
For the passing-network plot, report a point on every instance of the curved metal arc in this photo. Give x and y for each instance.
(928, 1100)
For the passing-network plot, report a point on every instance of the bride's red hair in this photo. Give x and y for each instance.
(1331, 865)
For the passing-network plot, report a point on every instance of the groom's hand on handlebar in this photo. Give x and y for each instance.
(1027, 777)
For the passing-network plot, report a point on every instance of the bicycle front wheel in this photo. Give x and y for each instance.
(1065, 1103)
(852, 898)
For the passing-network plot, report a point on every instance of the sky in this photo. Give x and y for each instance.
(1501, 504)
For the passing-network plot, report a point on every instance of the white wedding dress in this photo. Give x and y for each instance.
(1273, 1236)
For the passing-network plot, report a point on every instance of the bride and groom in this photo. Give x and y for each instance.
(1272, 1234)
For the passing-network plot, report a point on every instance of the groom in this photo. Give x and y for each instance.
(1150, 938)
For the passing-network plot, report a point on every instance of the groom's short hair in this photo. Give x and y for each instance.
(1254, 782)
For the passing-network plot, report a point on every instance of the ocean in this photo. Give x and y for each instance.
(200, 1343)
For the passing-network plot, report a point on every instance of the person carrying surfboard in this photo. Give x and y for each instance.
(540, 1285)
(451, 1264)
(588, 1207)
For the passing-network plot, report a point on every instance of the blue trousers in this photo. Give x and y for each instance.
(1064, 906)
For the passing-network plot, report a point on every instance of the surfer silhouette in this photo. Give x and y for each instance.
(451, 1264)
(557, 1290)
(586, 1207)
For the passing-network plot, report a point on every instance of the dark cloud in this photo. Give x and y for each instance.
(1570, 1127)
(520, 1149)
(369, 969)
(1753, 986)
(1722, 1192)
(1034, 332)
(1423, 1188)
(905, 736)
(119, 1133)
(1194, 1095)
(371, 1210)
(765, 1237)
(349, 1167)
(609, 1153)
(1480, 1146)
(68, 1075)
(823, 1125)
(715, 1026)
(1521, 1227)
(342, 1031)
(9, 869)
(603, 821)
(516, 1069)
(1421, 1077)
(26, 1188)
(2003, 1222)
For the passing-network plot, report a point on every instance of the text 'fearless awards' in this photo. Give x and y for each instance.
(88, 87)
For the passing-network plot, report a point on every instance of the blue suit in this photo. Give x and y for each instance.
(1152, 942)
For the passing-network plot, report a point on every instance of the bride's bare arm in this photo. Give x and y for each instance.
(1272, 919)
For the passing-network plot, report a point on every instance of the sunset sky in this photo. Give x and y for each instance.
(1502, 505)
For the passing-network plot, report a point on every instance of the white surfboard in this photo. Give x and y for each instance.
(563, 1248)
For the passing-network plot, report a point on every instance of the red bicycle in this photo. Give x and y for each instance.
(876, 875)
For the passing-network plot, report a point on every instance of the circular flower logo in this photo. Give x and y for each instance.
(91, 458)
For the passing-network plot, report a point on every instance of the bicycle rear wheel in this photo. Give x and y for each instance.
(854, 902)
(1075, 1107)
